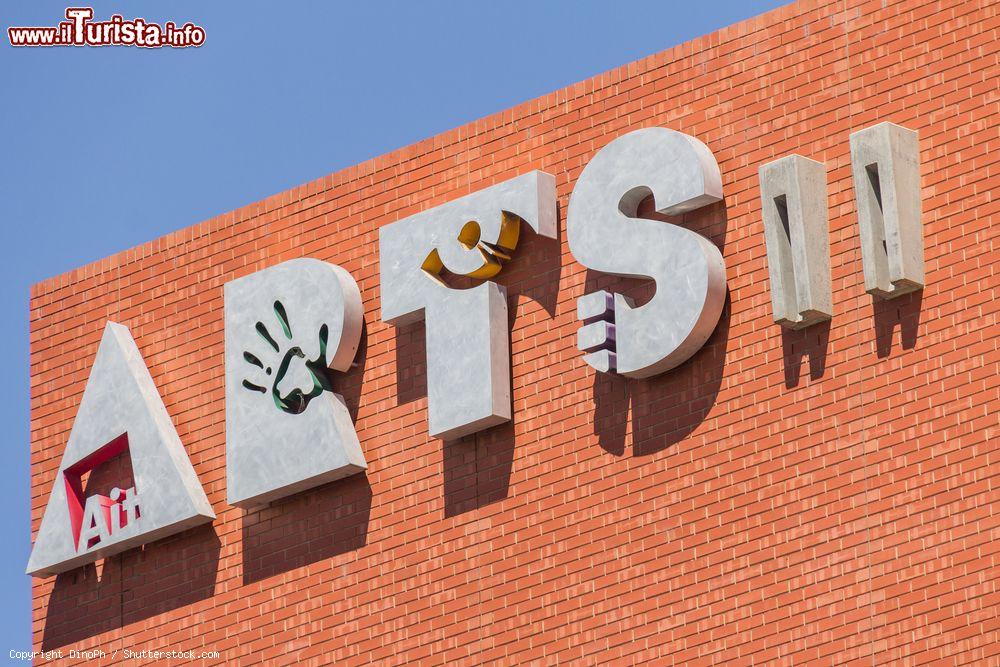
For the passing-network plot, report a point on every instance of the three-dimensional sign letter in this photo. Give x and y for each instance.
(468, 345)
(120, 412)
(885, 162)
(287, 326)
(797, 237)
(604, 235)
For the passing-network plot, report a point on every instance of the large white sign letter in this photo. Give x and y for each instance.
(468, 345)
(604, 235)
(287, 328)
(120, 412)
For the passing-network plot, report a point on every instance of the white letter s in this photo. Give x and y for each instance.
(604, 235)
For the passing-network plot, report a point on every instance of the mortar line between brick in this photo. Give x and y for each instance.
(861, 385)
(120, 557)
(476, 569)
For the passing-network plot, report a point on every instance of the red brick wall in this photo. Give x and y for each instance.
(823, 497)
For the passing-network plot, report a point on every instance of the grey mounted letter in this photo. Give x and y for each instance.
(468, 345)
(796, 232)
(885, 161)
(120, 412)
(604, 235)
(286, 431)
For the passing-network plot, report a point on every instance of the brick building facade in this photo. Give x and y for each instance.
(824, 496)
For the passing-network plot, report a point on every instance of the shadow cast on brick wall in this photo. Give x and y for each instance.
(411, 362)
(307, 527)
(319, 523)
(665, 408)
(797, 345)
(132, 586)
(534, 270)
(477, 467)
(903, 313)
(348, 384)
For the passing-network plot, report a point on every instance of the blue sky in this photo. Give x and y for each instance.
(104, 149)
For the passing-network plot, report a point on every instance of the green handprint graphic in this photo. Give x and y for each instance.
(296, 400)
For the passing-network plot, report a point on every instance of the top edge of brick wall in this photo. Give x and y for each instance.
(400, 155)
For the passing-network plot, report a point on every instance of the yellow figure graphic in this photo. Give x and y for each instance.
(490, 255)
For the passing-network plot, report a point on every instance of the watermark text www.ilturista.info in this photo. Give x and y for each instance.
(81, 30)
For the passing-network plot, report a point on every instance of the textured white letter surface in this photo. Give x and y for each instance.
(604, 235)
